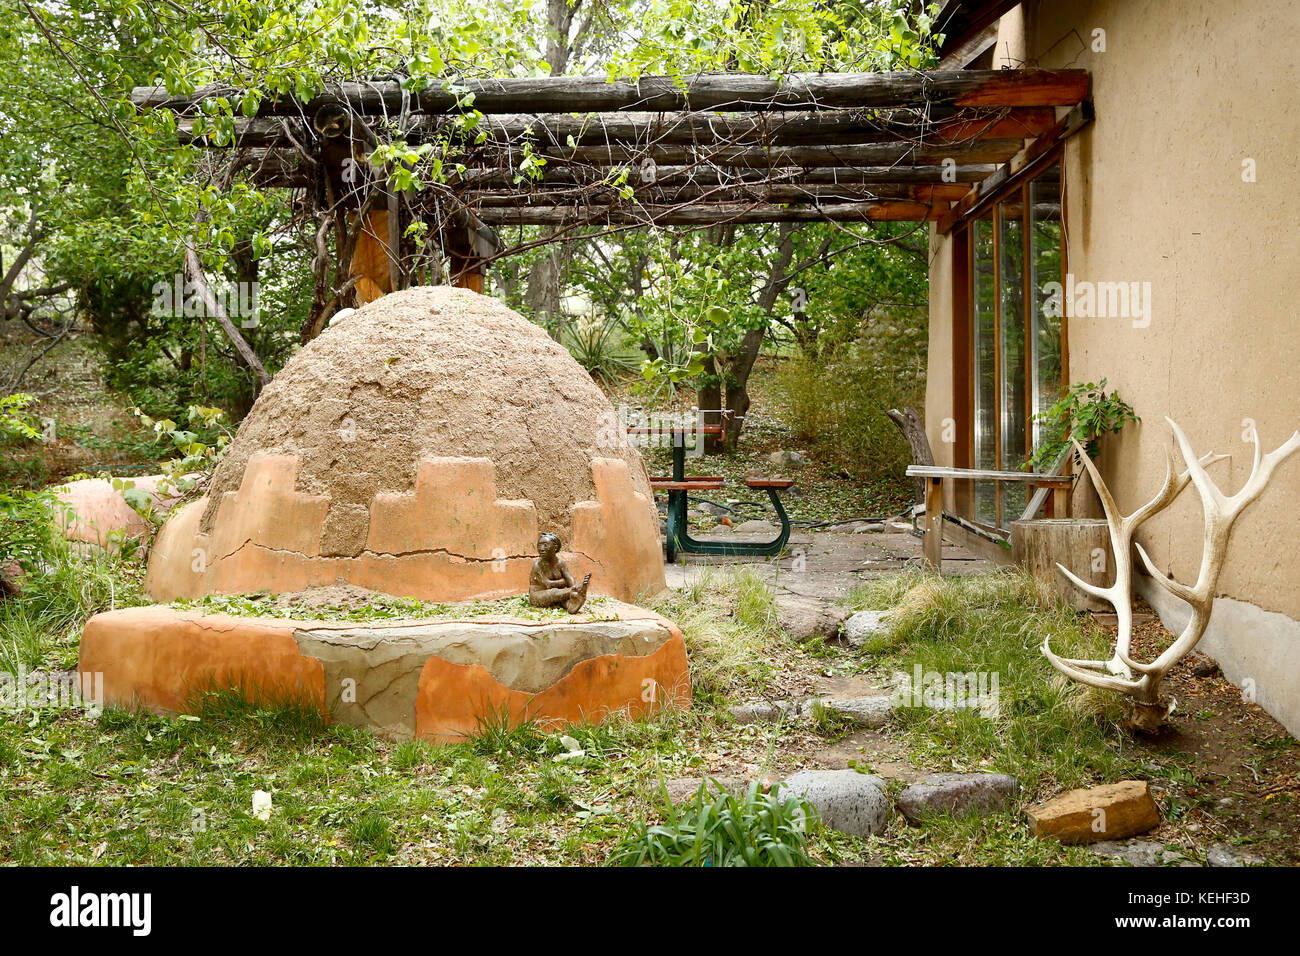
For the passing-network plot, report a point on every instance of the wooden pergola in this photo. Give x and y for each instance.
(693, 152)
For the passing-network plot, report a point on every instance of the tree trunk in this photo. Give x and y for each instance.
(910, 424)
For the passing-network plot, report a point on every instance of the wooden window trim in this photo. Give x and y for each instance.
(964, 326)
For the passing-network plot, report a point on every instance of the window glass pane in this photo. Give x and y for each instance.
(985, 353)
(1012, 392)
(1045, 261)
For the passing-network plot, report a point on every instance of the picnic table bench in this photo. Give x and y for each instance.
(679, 485)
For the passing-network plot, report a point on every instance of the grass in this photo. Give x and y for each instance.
(723, 829)
(41, 627)
(729, 622)
(129, 788)
(1050, 732)
(381, 607)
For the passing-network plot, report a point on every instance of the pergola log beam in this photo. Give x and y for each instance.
(761, 192)
(709, 214)
(863, 154)
(731, 92)
(556, 131)
(715, 175)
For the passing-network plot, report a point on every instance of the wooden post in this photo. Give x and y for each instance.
(932, 549)
(1080, 544)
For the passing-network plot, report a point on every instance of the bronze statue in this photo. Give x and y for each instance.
(550, 584)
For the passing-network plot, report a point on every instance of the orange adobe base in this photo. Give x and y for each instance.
(160, 658)
(454, 697)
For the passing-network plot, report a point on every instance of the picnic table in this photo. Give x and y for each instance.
(679, 486)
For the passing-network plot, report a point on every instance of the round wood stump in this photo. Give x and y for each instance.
(1080, 544)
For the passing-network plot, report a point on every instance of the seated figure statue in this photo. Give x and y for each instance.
(551, 584)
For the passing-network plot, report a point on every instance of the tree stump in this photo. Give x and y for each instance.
(912, 426)
(1080, 544)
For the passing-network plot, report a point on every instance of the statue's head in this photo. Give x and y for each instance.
(548, 545)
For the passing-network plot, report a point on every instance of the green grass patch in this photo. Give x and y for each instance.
(384, 607)
(729, 622)
(1048, 731)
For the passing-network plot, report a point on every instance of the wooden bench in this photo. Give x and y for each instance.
(934, 475)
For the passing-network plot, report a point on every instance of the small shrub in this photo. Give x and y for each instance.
(839, 406)
(755, 829)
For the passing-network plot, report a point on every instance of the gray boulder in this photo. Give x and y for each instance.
(845, 800)
(860, 627)
(958, 794)
(804, 618)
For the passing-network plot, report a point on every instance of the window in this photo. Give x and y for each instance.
(1016, 358)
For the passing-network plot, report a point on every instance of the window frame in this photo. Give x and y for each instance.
(965, 300)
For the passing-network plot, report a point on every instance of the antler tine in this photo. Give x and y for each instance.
(1091, 678)
(1209, 490)
(1108, 505)
(1101, 594)
(1261, 471)
(1169, 584)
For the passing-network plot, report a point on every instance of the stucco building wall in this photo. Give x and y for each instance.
(1185, 92)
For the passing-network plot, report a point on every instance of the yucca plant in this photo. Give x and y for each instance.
(599, 348)
(721, 829)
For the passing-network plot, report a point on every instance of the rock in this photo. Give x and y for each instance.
(1110, 812)
(755, 526)
(708, 507)
(958, 794)
(765, 712)
(863, 711)
(804, 618)
(11, 579)
(845, 800)
(788, 458)
(1223, 855)
(682, 789)
(864, 625)
(1141, 853)
(869, 527)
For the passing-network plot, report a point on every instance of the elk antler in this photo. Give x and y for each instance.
(1150, 710)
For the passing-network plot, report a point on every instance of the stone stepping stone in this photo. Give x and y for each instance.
(1222, 855)
(766, 712)
(1142, 853)
(1110, 812)
(862, 711)
(845, 800)
(864, 625)
(958, 794)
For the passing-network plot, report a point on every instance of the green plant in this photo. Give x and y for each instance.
(599, 348)
(1084, 414)
(712, 829)
(839, 404)
(15, 421)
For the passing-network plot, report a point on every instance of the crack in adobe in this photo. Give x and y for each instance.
(249, 542)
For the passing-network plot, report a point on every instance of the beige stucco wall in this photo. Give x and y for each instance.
(1185, 91)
